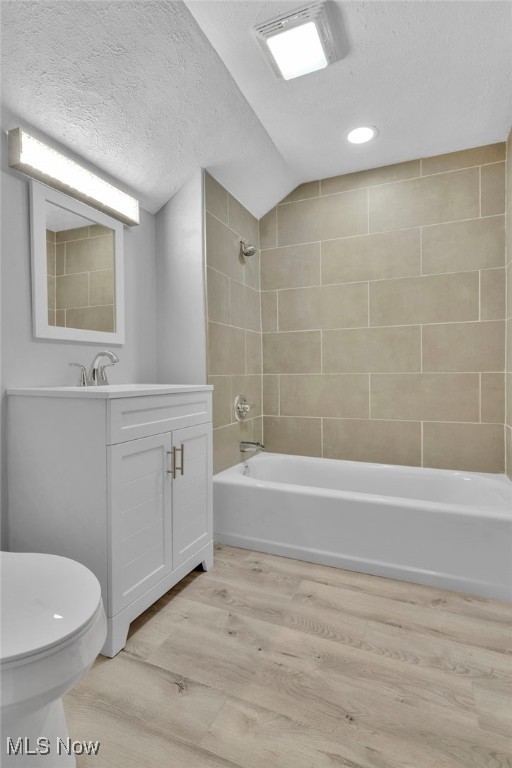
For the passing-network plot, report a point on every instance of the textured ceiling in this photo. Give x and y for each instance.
(432, 76)
(136, 89)
(149, 91)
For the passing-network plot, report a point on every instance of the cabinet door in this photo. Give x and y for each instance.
(192, 512)
(140, 517)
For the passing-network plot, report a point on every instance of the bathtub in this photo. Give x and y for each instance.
(430, 526)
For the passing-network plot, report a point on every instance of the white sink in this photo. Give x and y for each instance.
(111, 390)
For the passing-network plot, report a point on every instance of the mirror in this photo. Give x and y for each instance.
(77, 271)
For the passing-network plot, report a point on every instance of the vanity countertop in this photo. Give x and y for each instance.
(111, 391)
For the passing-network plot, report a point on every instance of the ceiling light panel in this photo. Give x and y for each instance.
(32, 157)
(299, 42)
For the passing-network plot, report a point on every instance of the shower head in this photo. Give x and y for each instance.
(246, 250)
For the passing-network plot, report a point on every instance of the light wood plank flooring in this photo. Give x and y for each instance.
(268, 662)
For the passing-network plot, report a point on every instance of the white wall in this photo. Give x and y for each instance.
(181, 312)
(30, 362)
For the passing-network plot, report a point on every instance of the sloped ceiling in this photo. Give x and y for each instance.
(136, 89)
(148, 91)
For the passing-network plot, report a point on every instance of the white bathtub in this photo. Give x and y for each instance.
(430, 526)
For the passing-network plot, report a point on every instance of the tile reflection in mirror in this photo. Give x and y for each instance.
(80, 271)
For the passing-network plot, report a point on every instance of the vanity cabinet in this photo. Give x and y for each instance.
(119, 479)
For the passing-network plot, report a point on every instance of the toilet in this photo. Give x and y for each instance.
(52, 627)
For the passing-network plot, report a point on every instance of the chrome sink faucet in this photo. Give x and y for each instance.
(96, 377)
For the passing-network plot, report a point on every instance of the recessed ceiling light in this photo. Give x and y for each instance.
(299, 42)
(362, 134)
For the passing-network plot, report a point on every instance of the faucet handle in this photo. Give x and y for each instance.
(82, 381)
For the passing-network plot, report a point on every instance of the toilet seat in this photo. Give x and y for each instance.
(47, 600)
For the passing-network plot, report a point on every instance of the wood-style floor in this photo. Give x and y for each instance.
(268, 662)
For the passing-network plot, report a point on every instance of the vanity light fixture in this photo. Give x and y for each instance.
(299, 42)
(41, 162)
(362, 134)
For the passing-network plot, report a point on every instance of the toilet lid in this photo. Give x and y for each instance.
(45, 599)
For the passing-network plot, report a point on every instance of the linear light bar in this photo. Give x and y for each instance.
(32, 157)
(299, 42)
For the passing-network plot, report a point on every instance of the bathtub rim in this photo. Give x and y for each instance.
(234, 475)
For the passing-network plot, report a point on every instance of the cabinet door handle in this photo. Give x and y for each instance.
(181, 468)
(172, 470)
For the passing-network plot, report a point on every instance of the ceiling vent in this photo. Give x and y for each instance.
(299, 42)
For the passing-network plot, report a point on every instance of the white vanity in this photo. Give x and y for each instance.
(118, 478)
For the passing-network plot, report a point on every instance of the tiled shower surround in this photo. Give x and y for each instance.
(234, 322)
(383, 297)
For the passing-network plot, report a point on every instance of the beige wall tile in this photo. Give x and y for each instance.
(270, 395)
(297, 352)
(493, 398)
(60, 259)
(245, 307)
(336, 395)
(388, 442)
(98, 230)
(218, 296)
(508, 350)
(268, 229)
(51, 317)
(251, 387)
(452, 161)
(323, 218)
(50, 258)
(101, 287)
(508, 443)
(79, 233)
(328, 306)
(301, 437)
(243, 222)
(51, 291)
(269, 311)
(470, 447)
(257, 429)
(60, 318)
(508, 398)
(223, 249)
(290, 267)
(226, 444)
(226, 350)
(252, 271)
(493, 189)
(429, 299)
(371, 177)
(222, 400)
(492, 294)
(253, 358)
(303, 192)
(464, 347)
(91, 319)
(372, 350)
(426, 396)
(216, 198)
(509, 290)
(464, 245)
(429, 200)
(371, 257)
(50, 236)
(72, 291)
(88, 255)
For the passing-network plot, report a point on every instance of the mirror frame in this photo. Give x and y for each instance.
(40, 194)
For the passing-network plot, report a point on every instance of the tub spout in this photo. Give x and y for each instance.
(248, 447)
